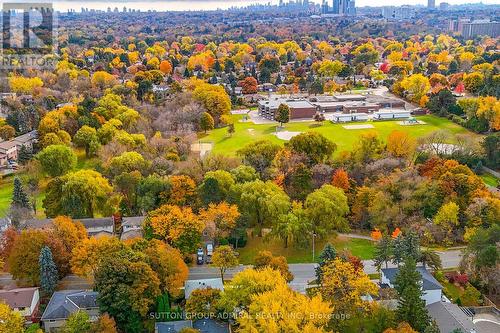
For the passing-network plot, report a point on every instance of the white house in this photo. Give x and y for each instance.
(432, 289)
(132, 227)
(23, 300)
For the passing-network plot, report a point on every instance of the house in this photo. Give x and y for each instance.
(8, 152)
(449, 318)
(132, 227)
(27, 140)
(191, 285)
(208, 325)
(172, 326)
(432, 289)
(205, 325)
(96, 227)
(24, 300)
(392, 114)
(63, 303)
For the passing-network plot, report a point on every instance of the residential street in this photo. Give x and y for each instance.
(303, 273)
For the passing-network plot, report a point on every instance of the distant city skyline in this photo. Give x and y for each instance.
(180, 5)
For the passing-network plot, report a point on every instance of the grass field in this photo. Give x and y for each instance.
(359, 247)
(246, 132)
(489, 179)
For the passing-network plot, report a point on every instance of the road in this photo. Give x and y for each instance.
(303, 273)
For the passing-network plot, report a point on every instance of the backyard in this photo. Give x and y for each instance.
(246, 132)
(362, 248)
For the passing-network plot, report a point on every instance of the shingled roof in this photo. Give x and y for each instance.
(64, 303)
(429, 282)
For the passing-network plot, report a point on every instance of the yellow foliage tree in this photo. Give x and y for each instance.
(220, 218)
(10, 321)
(24, 85)
(400, 144)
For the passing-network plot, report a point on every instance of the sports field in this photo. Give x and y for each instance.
(246, 132)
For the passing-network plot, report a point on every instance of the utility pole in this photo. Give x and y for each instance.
(314, 237)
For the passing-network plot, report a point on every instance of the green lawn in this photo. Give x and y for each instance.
(246, 132)
(7, 185)
(490, 179)
(359, 247)
(452, 291)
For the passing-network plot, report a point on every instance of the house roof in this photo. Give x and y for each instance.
(64, 303)
(26, 137)
(131, 234)
(191, 285)
(211, 326)
(133, 221)
(6, 145)
(19, 297)
(429, 282)
(87, 222)
(450, 317)
(172, 326)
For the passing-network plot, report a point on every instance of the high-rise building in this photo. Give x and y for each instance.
(344, 7)
(431, 4)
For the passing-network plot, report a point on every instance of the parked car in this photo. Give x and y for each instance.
(210, 252)
(199, 256)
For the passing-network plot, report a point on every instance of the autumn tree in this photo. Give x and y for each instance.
(265, 259)
(401, 328)
(10, 321)
(202, 302)
(206, 122)
(344, 286)
(287, 310)
(220, 219)
(165, 67)
(400, 144)
(341, 180)
(249, 85)
(7, 132)
(77, 322)
(447, 218)
(56, 160)
(238, 293)
(224, 258)
(178, 226)
(88, 255)
(416, 86)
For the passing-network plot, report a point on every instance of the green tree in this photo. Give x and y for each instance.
(259, 155)
(127, 162)
(383, 252)
(326, 208)
(261, 202)
(56, 160)
(411, 306)
(86, 137)
(206, 122)
(78, 322)
(430, 258)
(48, 271)
(282, 114)
(77, 194)
(314, 145)
(127, 290)
(224, 258)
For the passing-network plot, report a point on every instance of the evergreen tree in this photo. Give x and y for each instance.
(48, 271)
(328, 254)
(24, 155)
(19, 197)
(278, 80)
(217, 66)
(406, 246)
(411, 306)
(187, 73)
(383, 252)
